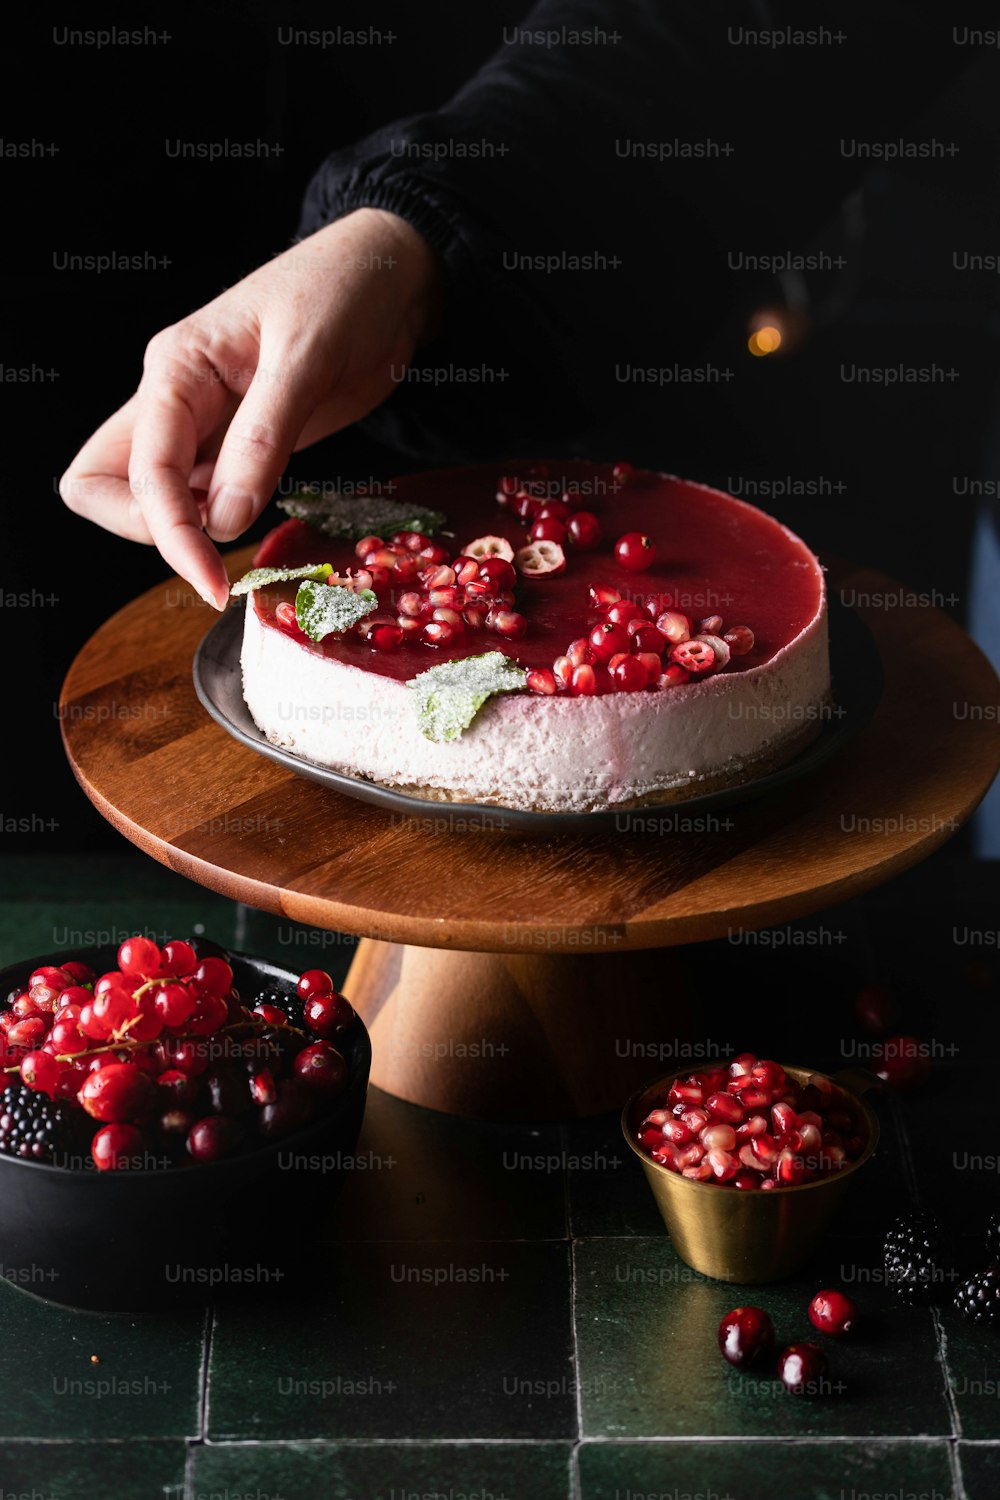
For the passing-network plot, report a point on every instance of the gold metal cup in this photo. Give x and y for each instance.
(733, 1235)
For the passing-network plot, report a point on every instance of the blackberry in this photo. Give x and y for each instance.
(286, 1000)
(36, 1127)
(917, 1263)
(978, 1299)
(993, 1235)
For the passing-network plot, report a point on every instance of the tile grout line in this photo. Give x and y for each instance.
(206, 1355)
(573, 1473)
(940, 1337)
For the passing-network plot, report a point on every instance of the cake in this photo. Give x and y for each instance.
(612, 638)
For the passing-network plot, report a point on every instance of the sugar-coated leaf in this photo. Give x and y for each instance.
(323, 609)
(449, 696)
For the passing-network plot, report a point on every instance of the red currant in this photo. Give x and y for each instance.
(213, 976)
(39, 1070)
(179, 959)
(139, 956)
(174, 1004)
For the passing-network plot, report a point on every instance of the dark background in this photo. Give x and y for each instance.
(887, 464)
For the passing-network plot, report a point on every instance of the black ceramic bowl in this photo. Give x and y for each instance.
(147, 1240)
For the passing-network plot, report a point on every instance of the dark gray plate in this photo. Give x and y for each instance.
(857, 682)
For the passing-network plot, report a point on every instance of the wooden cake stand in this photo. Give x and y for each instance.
(497, 970)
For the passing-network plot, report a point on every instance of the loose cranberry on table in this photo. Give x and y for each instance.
(801, 1368)
(876, 1008)
(833, 1312)
(635, 551)
(746, 1335)
(903, 1062)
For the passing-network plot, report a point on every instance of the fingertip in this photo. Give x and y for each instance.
(230, 511)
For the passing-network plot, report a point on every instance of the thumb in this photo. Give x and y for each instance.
(261, 437)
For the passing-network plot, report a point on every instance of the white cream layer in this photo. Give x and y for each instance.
(524, 751)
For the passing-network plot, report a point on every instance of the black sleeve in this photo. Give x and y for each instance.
(586, 188)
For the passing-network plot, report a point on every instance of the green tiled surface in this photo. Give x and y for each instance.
(496, 1311)
(88, 1470)
(387, 1471)
(732, 1471)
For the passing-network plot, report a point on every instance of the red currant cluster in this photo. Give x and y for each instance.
(752, 1126)
(635, 646)
(164, 1054)
(746, 1337)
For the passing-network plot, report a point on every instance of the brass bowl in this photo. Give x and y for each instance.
(734, 1235)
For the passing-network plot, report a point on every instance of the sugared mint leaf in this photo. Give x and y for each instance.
(449, 696)
(323, 609)
(351, 518)
(259, 578)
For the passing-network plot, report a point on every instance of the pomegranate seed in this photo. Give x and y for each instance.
(540, 680)
(718, 1137)
(673, 676)
(723, 1165)
(693, 656)
(82, 973)
(27, 1033)
(48, 974)
(651, 665)
(439, 577)
(700, 1173)
(475, 616)
(677, 1132)
(584, 530)
(710, 625)
(739, 640)
(635, 551)
(379, 557)
(674, 626)
(583, 683)
(801, 1368)
(285, 615)
(466, 570)
(508, 623)
(367, 544)
(601, 595)
(412, 604)
(743, 1065)
(696, 1117)
(385, 637)
(768, 1075)
(438, 633)
(783, 1118)
(413, 541)
(362, 579)
(433, 554)
(691, 1091)
(548, 529)
(790, 1170)
(756, 1125)
(746, 1180)
(725, 1107)
(406, 568)
(447, 597)
(562, 671)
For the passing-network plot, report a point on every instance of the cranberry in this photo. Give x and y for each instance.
(540, 560)
(271, 1014)
(801, 1368)
(212, 1138)
(189, 1056)
(177, 1088)
(328, 1014)
(314, 982)
(877, 1009)
(607, 640)
(584, 530)
(139, 956)
(559, 510)
(499, 571)
(623, 612)
(117, 1092)
(833, 1312)
(746, 1335)
(322, 1068)
(693, 656)
(901, 1061)
(628, 674)
(525, 506)
(39, 1070)
(291, 1109)
(646, 638)
(548, 529)
(115, 1147)
(263, 1089)
(635, 551)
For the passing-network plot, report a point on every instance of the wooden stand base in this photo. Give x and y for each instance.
(520, 1036)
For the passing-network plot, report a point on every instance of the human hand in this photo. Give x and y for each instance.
(303, 346)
